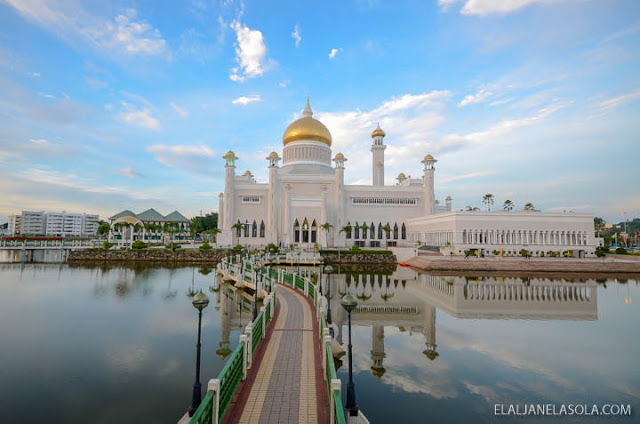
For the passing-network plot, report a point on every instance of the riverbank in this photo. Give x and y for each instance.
(359, 258)
(147, 256)
(514, 264)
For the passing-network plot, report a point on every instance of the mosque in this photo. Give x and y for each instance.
(306, 202)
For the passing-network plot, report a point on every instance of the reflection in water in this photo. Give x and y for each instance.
(119, 341)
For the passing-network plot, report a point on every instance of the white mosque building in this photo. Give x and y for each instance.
(306, 202)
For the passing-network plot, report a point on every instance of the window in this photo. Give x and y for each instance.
(356, 231)
(385, 201)
(380, 230)
(254, 229)
(349, 231)
(262, 229)
(373, 231)
(238, 229)
(251, 199)
(395, 231)
(404, 232)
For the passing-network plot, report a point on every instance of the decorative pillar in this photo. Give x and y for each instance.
(273, 199)
(377, 156)
(287, 226)
(339, 196)
(429, 196)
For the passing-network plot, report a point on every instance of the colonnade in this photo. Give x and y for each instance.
(525, 237)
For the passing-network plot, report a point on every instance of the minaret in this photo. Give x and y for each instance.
(339, 194)
(429, 196)
(430, 332)
(377, 156)
(273, 200)
(448, 203)
(377, 350)
(229, 188)
(220, 210)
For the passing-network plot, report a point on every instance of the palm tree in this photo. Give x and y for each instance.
(529, 207)
(238, 227)
(364, 228)
(213, 232)
(326, 227)
(387, 229)
(346, 229)
(508, 205)
(487, 199)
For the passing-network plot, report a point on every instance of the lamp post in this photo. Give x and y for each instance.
(199, 301)
(349, 303)
(329, 269)
(320, 280)
(255, 302)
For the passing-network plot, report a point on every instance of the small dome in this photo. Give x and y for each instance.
(339, 156)
(221, 194)
(401, 175)
(378, 132)
(230, 153)
(428, 157)
(247, 173)
(448, 198)
(307, 128)
(273, 155)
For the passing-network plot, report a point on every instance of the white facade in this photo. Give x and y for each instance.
(33, 223)
(15, 225)
(307, 192)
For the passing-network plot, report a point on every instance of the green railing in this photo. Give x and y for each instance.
(230, 378)
(299, 283)
(256, 332)
(205, 411)
(288, 279)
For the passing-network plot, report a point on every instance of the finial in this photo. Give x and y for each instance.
(307, 113)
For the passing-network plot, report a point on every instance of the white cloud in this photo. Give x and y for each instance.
(251, 53)
(179, 110)
(39, 141)
(479, 97)
(245, 100)
(625, 98)
(189, 157)
(139, 118)
(491, 7)
(128, 172)
(70, 21)
(35, 74)
(296, 35)
(284, 84)
(334, 52)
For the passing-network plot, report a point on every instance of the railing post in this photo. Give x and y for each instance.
(306, 287)
(326, 340)
(214, 384)
(243, 338)
(249, 332)
(336, 384)
(264, 323)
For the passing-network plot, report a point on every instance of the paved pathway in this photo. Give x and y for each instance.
(285, 384)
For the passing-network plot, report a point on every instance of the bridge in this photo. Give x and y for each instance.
(45, 244)
(282, 369)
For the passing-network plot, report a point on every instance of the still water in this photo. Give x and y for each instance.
(115, 344)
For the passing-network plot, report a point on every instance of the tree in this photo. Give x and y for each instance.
(508, 205)
(195, 228)
(238, 227)
(103, 228)
(346, 229)
(487, 199)
(207, 222)
(213, 232)
(469, 208)
(364, 228)
(169, 228)
(387, 229)
(529, 207)
(327, 227)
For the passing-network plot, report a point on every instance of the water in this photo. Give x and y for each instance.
(116, 344)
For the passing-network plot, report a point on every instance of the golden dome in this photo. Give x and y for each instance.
(428, 157)
(273, 155)
(448, 198)
(307, 128)
(230, 153)
(401, 175)
(339, 156)
(247, 173)
(378, 132)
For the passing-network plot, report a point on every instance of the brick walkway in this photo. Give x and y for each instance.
(285, 384)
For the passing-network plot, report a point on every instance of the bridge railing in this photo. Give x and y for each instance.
(220, 391)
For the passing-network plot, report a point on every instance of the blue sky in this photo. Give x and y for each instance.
(118, 105)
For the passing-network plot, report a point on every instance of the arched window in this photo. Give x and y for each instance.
(356, 231)
(349, 231)
(395, 231)
(373, 231)
(296, 232)
(262, 229)
(254, 229)
(380, 230)
(238, 229)
(404, 232)
(314, 232)
(246, 228)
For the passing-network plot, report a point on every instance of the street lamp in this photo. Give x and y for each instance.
(320, 280)
(329, 269)
(199, 301)
(255, 302)
(349, 303)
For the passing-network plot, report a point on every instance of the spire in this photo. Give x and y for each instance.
(307, 112)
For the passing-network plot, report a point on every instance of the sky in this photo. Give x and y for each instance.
(115, 105)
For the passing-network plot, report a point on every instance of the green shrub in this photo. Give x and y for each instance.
(272, 248)
(605, 249)
(359, 252)
(542, 254)
(355, 248)
(139, 244)
(524, 252)
(205, 246)
(600, 253)
(621, 251)
(106, 245)
(173, 246)
(237, 248)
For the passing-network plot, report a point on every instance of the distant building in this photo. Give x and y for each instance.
(148, 226)
(59, 224)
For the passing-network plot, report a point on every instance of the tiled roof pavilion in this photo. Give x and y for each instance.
(152, 215)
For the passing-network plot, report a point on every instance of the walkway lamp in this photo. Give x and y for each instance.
(199, 301)
(349, 303)
(329, 269)
(255, 301)
(320, 280)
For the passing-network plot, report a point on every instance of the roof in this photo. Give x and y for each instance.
(151, 215)
(125, 212)
(176, 216)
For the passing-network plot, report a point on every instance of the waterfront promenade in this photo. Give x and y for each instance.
(286, 382)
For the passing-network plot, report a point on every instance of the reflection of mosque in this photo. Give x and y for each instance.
(408, 300)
